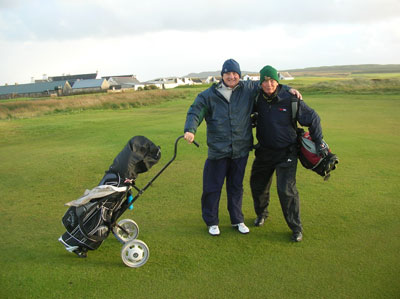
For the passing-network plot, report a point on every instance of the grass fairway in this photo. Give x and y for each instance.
(351, 223)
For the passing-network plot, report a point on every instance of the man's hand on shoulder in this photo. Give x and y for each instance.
(296, 93)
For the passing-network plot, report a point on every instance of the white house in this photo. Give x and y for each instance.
(155, 83)
(124, 82)
(212, 79)
(285, 76)
(171, 82)
(253, 77)
(187, 81)
(197, 81)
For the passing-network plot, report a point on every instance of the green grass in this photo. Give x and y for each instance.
(351, 225)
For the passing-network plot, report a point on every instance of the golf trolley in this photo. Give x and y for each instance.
(90, 218)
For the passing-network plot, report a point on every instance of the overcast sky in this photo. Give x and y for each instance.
(158, 38)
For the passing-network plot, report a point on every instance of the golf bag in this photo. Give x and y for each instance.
(307, 151)
(310, 159)
(89, 219)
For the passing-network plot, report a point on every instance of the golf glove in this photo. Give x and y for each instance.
(322, 149)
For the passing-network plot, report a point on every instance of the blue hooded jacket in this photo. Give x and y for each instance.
(229, 130)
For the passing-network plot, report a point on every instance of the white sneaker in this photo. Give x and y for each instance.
(213, 230)
(242, 228)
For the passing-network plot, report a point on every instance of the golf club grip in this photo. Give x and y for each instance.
(195, 143)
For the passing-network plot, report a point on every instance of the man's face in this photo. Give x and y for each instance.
(231, 79)
(269, 86)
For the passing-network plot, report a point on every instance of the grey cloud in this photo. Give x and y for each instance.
(7, 4)
(60, 20)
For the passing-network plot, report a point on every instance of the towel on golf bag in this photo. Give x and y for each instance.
(96, 192)
(88, 219)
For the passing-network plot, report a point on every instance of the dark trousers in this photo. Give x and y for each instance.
(214, 174)
(284, 162)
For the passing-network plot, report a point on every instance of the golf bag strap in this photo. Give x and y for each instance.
(256, 98)
(295, 111)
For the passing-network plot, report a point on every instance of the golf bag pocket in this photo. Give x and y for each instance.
(85, 226)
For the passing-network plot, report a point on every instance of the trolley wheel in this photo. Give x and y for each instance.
(126, 230)
(135, 253)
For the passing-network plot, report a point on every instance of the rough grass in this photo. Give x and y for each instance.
(125, 100)
(355, 84)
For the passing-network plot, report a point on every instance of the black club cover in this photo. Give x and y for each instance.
(138, 156)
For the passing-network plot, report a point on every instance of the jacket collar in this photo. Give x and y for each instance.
(221, 84)
(273, 98)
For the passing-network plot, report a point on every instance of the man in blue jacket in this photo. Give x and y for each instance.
(226, 108)
(277, 149)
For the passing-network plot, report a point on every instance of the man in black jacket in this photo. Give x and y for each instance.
(277, 150)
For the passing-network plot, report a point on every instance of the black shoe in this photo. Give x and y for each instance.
(297, 237)
(81, 252)
(259, 221)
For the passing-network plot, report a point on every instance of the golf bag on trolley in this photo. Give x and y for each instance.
(90, 219)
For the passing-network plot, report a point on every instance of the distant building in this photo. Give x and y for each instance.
(72, 78)
(119, 76)
(187, 81)
(42, 89)
(253, 77)
(92, 85)
(285, 76)
(256, 76)
(212, 79)
(124, 82)
(197, 81)
(170, 82)
(156, 83)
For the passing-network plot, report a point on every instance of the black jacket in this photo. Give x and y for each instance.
(274, 123)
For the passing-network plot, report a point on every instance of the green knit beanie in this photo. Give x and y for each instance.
(268, 71)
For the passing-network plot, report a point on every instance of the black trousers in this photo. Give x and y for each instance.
(214, 174)
(284, 163)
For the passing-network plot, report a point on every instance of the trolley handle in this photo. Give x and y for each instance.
(176, 144)
(165, 166)
(176, 141)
